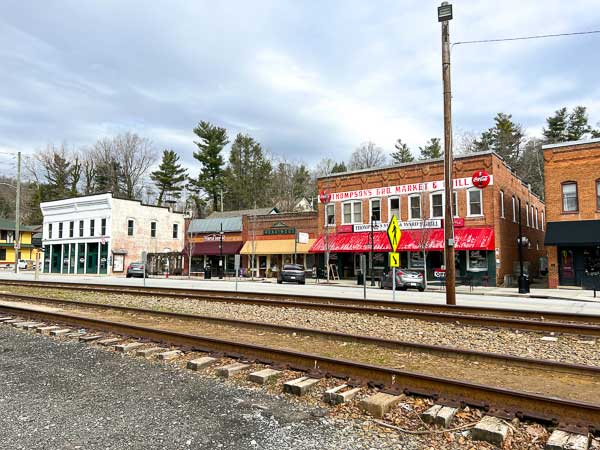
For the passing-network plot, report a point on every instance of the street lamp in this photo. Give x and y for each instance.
(221, 253)
(445, 15)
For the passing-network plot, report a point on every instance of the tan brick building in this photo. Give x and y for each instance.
(486, 220)
(572, 187)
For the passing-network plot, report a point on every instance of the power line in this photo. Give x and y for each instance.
(524, 38)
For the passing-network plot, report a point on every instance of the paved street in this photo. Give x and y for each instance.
(579, 301)
(59, 395)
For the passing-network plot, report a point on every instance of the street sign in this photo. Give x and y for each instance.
(394, 259)
(394, 233)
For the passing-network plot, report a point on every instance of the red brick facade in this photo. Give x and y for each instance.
(505, 229)
(571, 162)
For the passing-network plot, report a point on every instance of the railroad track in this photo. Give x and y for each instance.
(573, 414)
(548, 322)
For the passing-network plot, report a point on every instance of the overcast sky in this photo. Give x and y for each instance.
(307, 78)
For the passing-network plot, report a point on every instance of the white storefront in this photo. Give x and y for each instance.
(100, 234)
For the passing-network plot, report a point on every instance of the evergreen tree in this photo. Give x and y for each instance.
(431, 150)
(557, 127)
(402, 153)
(505, 138)
(58, 175)
(578, 125)
(211, 176)
(248, 175)
(339, 167)
(108, 177)
(169, 176)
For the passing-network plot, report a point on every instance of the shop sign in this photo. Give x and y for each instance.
(212, 237)
(439, 274)
(302, 238)
(414, 188)
(324, 196)
(480, 179)
(404, 225)
(459, 222)
(377, 226)
(278, 231)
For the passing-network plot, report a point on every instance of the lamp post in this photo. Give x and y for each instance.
(372, 251)
(221, 253)
(444, 16)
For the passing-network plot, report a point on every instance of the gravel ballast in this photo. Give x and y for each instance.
(567, 348)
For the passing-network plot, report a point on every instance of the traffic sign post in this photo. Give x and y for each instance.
(394, 234)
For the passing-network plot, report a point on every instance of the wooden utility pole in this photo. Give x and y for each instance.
(448, 181)
(18, 214)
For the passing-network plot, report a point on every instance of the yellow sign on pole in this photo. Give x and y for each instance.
(394, 233)
(394, 259)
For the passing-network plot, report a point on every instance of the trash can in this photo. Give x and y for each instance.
(523, 284)
(360, 278)
(207, 274)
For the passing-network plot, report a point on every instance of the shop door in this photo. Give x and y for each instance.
(92, 258)
(56, 258)
(103, 258)
(566, 267)
(81, 258)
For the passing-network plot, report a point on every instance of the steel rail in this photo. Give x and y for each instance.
(440, 350)
(388, 309)
(569, 414)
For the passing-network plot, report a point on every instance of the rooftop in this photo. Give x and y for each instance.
(571, 143)
(9, 224)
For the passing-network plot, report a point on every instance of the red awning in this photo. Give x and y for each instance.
(211, 248)
(481, 238)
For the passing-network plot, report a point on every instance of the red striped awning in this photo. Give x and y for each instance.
(468, 238)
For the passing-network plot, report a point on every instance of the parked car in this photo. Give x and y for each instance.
(404, 279)
(136, 269)
(22, 264)
(293, 273)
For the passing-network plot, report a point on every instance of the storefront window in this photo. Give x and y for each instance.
(414, 209)
(476, 261)
(569, 195)
(474, 202)
(437, 205)
(376, 210)
(330, 214)
(394, 209)
(416, 260)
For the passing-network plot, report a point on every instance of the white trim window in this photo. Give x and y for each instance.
(537, 220)
(393, 207)
(375, 205)
(414, 206)
(474, 203)
(352, 212)
(436, 205)
(532, 213)
(477, 261)
(130, 227)
(153, 229)
(514, 209)
(455, 204)
(330, 214)
(175, 231)
(527, 213)
(542, 221)
(502, 204)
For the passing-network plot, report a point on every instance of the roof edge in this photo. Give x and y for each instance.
(571, 143)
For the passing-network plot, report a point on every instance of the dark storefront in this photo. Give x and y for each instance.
(578, 251)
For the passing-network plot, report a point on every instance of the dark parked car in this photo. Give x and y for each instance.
(404, 279)
(293, 273)
(135, 269)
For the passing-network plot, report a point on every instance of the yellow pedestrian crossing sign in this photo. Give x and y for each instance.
(394, 259)
(394, 233)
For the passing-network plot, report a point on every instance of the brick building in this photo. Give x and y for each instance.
(486, 220)
(572, 187)
(270, 241)
(102, 234)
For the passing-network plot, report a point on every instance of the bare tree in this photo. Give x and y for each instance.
(366, 156)
(464, 142)
(135, 156)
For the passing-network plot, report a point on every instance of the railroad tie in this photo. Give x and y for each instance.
(300, 386)
(379, 404)
(439, 415)
(264, 376)
(169, 355)
(90, 338)
(231, 369)
(47, 330)
(201, 363)
(146, 352)
(340, 394)
(4, 319)
(490, 429)
(562, 440)
(60, 332)
(109, 341)
(125, 348)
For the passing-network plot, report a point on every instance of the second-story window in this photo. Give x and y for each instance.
(352, 212)
(60, 230)
(537, 219)
(414, 207)
(455, 204)
(437, 205)
(130, 226)
(394, 209)
(330, 214)
(175, 230)
(71, 228)
(502, 204)
(474, 206)
(527, 213)
(81, 228)
(376, 210)
(92, 227)
(514, 209)
(153, 229)
(49, 231)
(103, 227)
(598, 194)
(532, 216)
(569, 197)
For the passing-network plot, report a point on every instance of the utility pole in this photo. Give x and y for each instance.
(372, 255)
(444, 16)
(18, 214)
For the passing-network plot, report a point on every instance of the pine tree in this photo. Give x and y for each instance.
(578, 125)
(431, 150)
(557, 127)
(505, 138)
(211, 176)
(339, 167)
(403, 154)
(58, 174)
(169, 176)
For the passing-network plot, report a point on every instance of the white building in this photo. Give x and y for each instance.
(101, 234)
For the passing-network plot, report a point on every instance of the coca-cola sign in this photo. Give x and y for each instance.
(480, 179)
(325, 196)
